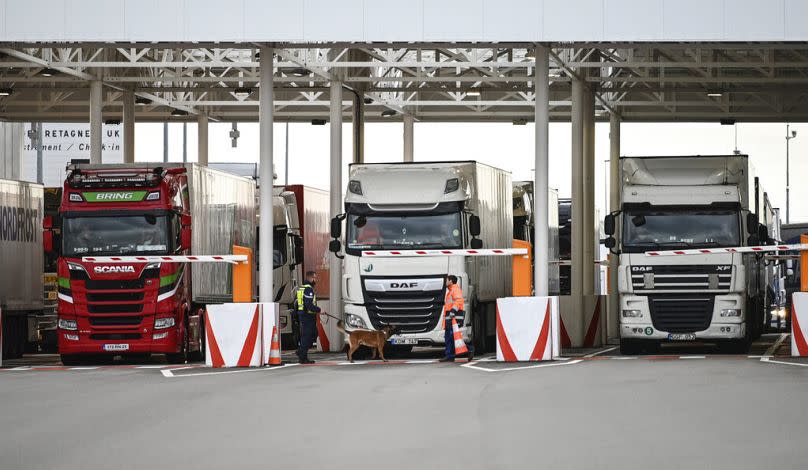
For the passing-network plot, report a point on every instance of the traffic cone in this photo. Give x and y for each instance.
(275, 348)
(459, 344)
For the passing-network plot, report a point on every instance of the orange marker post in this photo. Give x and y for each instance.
(522, 271)
(242, 276)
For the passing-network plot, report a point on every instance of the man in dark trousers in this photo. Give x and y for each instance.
(453, 307)
(307, 309)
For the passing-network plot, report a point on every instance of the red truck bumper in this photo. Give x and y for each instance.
(77, 342)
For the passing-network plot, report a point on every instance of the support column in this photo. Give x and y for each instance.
(129, 126)
(613, 318)
(335, 189)
(266, 117)
(96, 120)
(202, 139)
(359, 128)
(165, 142)
(409, 125)
(541, 174)
(578, 211)
(589, 254)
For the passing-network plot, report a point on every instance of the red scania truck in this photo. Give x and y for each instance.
(106, 310)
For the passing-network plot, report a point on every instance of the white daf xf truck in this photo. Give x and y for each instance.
(413, 206)
(687, 202)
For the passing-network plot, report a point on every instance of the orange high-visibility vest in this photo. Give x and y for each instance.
(453, 299)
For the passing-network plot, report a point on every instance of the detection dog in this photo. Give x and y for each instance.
(373, 339)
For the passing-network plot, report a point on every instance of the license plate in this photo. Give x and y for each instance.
(681, 336)
(52, 295)
(49, 278)
(116, 347)
(403, 341)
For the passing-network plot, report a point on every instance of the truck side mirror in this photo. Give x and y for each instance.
(763, 234)
(474, 226)
(751, 223)
(334, 246)
(753, 240)
(185, 238)
(610, 242)
(476, 243)
(47, 234)
(608, 224)
(185, 220)
(336, 228)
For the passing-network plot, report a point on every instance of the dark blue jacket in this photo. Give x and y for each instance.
(308, 298)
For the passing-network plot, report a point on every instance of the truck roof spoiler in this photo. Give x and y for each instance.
(83, 176)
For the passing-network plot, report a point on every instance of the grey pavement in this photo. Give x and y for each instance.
(713, 413)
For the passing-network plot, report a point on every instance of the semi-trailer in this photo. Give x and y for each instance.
(682, 202)
(424, 205)
(21, 249)
(524, 225)
(143, 209)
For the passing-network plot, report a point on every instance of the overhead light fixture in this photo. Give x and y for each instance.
(530, 53)
(368, 100)
(142, 101)
(243, 92)
(113, 122)
(473, 93)
(715, 94)
(520, 122)
(179, 112)
(6, 91)
(300, 72)
(389, 113)
(318, 122)
(48, 72)
(727, 122)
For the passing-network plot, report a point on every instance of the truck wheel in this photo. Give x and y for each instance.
(199, 355)
(630, 347)
(182, 356)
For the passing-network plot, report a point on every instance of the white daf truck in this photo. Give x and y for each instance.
(412, 206)
(687, 202)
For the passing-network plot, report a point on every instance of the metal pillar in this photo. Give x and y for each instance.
(613, 313)
(202, 139)
(541, 174)
(409, 124)
(129, 126)
(266, 117)
(589, 255)
(335, 168)
(35, 135)
(184, 142)
(165, 142)
(359, 128)
(96, 120)
(286, 156)
(578, 206)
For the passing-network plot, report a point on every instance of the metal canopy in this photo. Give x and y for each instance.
(428, 81)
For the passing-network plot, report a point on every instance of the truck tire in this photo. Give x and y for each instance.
(180, 357)
(478, 330)
(630, 347)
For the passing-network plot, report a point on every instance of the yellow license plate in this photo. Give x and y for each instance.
(49, 278)
(51, 295)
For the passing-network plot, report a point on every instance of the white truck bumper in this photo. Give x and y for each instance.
(720, 328)
(429, 338)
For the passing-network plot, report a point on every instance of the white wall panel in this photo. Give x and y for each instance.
(408, 24)
(643, 22)
(453, 20)
(2, 18)
(94, 19)
(273, 20)
(35, 20)
(507, 20)
(567, 20)
(693, 19)
(146, 20)
(796, 20)
(214, 20)
(753, 20)
(326, 20)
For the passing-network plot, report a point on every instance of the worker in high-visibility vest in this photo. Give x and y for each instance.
(453, 307)
(307, 310)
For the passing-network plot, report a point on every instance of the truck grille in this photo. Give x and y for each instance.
(116, 321)
(411, 312)
(114, 284)
(681, 314)
(114, 308)
(114, 336)
(114, 296)
(681, 277)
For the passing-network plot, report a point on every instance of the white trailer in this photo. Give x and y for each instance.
(689, 202)
(21, 288)
(400, 206)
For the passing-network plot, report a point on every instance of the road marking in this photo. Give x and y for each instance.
(772, 361)
(692, 357)
(602, 351)
(473, 365)
(170, 372)
(773, 348)
(152, 367)
(421, 361)
(84, 368)
(624, 358)
(356, 363)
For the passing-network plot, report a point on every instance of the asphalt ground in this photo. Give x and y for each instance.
(593, 410)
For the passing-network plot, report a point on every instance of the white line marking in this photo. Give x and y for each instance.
(602, 351)
(773, 348)
(357, 363)
(624, 358)
(152, 367)
(771, 361)
(692, 357)
(421, 361)
(472, 365)
(170, 374)
(83, 368)
(21, 368)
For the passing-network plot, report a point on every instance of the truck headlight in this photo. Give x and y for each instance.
(68, 324)
(731, 312)
(632, 314)
(76, 267)
(161, 323)
(355, 321)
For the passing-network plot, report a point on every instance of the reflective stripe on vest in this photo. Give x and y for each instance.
(300, 291)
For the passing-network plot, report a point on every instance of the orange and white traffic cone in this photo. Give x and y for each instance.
(275, 348)
(459, 344)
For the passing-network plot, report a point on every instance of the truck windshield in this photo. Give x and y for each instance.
(119, 235)
(651, 230)
(403, 232)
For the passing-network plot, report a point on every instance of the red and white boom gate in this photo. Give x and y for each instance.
(799, 302)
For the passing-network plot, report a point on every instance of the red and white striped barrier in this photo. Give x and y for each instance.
(233, 259)
(233, 335)
(527, 329)
(735, 249)
(418, 253)
(581, 329)
(799, 324)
